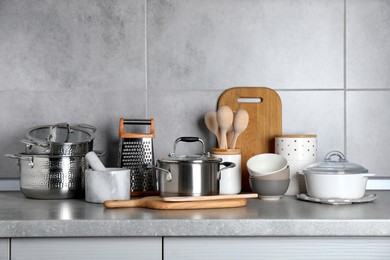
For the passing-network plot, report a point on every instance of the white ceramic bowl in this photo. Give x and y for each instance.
(278, 175)
(265, 164)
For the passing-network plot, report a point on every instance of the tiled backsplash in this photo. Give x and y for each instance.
(96, 61)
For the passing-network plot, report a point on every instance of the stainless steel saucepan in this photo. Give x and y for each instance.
(190, 175)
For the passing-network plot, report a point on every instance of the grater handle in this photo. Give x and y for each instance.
(137, 121)
(124, 134)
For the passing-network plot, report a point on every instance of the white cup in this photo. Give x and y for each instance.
(230, 182)
(111, 184)
(300, 151)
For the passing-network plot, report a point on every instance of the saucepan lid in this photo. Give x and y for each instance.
(201, 158)
(334, 163)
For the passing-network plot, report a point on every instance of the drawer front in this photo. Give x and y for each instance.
(276, 248)
(86, 248)
(4, 249)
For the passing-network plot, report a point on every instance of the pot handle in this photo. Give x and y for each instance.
(168, 176)
(188, 140)
(53, 127)
(88, 127)
(367, 174)
(227, 165)
(35, 142)
(30, 159)
(328, 156)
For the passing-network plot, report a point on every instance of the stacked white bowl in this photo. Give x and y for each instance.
(269, 175)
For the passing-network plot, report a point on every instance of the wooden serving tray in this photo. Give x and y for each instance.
(265, 122)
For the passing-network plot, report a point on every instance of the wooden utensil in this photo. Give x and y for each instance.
(156, 202)
(210, 120)
(265, 121)
(225, 120)
(240, 123)
(229, 135)
(208, 198)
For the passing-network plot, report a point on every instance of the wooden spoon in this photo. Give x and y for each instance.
(241, 120)
(225, 120)
(229, 136)
(211, 122)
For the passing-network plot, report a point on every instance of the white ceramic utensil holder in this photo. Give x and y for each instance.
(300, 151)
(111, 184)
(230, 182)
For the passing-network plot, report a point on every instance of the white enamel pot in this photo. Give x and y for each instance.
(336, 178)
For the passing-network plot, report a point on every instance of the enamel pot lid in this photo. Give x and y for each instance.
(334, 163)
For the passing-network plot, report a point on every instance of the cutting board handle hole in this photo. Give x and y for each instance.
(250, 100)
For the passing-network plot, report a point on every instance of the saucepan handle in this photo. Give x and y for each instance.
(227, 165)
(168, 176)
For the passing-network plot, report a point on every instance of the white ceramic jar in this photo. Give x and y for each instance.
(230, 181)
(300, 151)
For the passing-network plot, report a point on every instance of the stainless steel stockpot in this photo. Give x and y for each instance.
(51, 176)
(60, 139)
(190, 175)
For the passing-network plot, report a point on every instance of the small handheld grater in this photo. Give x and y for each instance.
(136, 153)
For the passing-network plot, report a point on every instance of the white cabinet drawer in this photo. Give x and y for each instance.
(276, 248)
(4, 248)
(86, 248)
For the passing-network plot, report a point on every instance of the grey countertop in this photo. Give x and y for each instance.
(22, 217)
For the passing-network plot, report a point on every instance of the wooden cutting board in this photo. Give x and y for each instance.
(155, 202)
(212, 197)
(265, 122)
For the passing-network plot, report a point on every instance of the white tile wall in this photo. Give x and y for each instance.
(368, 129)
(368, 44)
(304, 112)
(281, 44)
(95, 61)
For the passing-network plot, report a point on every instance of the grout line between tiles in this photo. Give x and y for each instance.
(146, 59)
(281, 90)
(345, 79)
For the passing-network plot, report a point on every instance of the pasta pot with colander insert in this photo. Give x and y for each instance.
(60, 139)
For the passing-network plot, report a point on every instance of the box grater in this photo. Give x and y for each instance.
(136, 153)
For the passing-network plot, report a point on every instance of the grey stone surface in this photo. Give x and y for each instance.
(21, 217)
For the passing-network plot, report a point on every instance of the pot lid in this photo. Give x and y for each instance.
(204, 157)
(338, 166)
(200, 158)
(62, 133)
